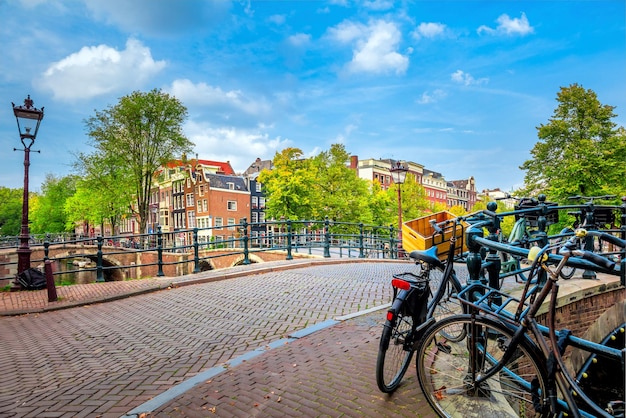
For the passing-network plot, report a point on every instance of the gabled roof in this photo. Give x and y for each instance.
(213, 166)
(221, 181)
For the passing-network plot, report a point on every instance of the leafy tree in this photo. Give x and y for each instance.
(136, 136)
(580, 151)
(103, 193)
(342, 193)
(10, 211)
(48, 214)
(414, 202)
(457, 210)
(289, 186)
(381, 205)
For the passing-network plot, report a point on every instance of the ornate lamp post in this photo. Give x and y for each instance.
(28, 119)
(398, 173)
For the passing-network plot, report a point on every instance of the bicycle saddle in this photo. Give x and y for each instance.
(428, 256)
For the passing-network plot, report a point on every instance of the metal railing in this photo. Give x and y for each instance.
(192, 250)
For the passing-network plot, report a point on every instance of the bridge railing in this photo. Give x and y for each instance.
(184, 251)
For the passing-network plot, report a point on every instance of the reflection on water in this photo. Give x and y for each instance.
(74, 271)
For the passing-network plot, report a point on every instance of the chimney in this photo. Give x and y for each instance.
(354, 162)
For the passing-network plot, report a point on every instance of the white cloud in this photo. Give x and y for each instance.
(378, 5)
(374, 46)
(98, 70)
(218, 143)
(429, 30)
(466, 79)
(202, 94)
(508, 26)
(435, 96)
(277, 19)
(299, 39)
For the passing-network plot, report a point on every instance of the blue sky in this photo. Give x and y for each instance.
(457, 86)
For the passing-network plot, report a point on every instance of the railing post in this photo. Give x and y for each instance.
(246, 249)
(326, 238)
(623, 236)
(52, 290)
(289, 256)
(361, 253)
(160, 251)
(196, 254)
(393, 248)
(99, 272)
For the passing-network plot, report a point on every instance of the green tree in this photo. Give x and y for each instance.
(10, 211)
(342, 194)
(48, 213)
(138, 135)
(580, 150)
(414, 202)
(381, 205)
(104, 192)
(289, 186)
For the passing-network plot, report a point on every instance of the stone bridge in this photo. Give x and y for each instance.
(119, 263)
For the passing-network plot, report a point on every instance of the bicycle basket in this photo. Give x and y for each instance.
(418, 234)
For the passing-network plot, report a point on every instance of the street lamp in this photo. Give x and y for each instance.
(28, 119)
(398, 173)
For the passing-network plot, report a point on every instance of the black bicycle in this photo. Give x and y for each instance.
(419, 299)
(511, 366)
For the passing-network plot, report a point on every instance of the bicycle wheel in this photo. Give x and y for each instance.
(395, 351)
(447, 380)
(448, 304)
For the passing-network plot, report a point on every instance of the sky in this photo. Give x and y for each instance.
(459, 87)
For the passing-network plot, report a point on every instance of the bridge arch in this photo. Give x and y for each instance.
(252, 258)
(112, 269)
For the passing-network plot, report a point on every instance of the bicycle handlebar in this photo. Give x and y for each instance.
(595, 259)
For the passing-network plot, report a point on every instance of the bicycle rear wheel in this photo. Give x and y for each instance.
(395, 351)
(447, 378)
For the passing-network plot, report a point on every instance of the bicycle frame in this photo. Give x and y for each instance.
(523, 323)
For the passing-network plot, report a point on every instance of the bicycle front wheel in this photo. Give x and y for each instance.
(447, 371)
(395, 351)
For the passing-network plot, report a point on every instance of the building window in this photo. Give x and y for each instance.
(219, 222)
(205, 205)
(255, 217)
(261, 203)
(231, 205)
(255, 202)
(190, 200)
(231, 186)
(258, 187)
(231, 224)
(192, 218)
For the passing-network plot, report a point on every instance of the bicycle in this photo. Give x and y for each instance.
(589, 216)
(418, 299)
(508, 364)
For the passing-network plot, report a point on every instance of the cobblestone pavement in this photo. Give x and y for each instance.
(330, 373)
(106, 359)
(265, 340)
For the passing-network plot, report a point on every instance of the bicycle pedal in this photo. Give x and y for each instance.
(444, 348)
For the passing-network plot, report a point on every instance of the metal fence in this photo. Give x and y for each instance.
(196, 247)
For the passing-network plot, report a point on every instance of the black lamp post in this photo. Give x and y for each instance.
(398, 173)
(28, 119)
